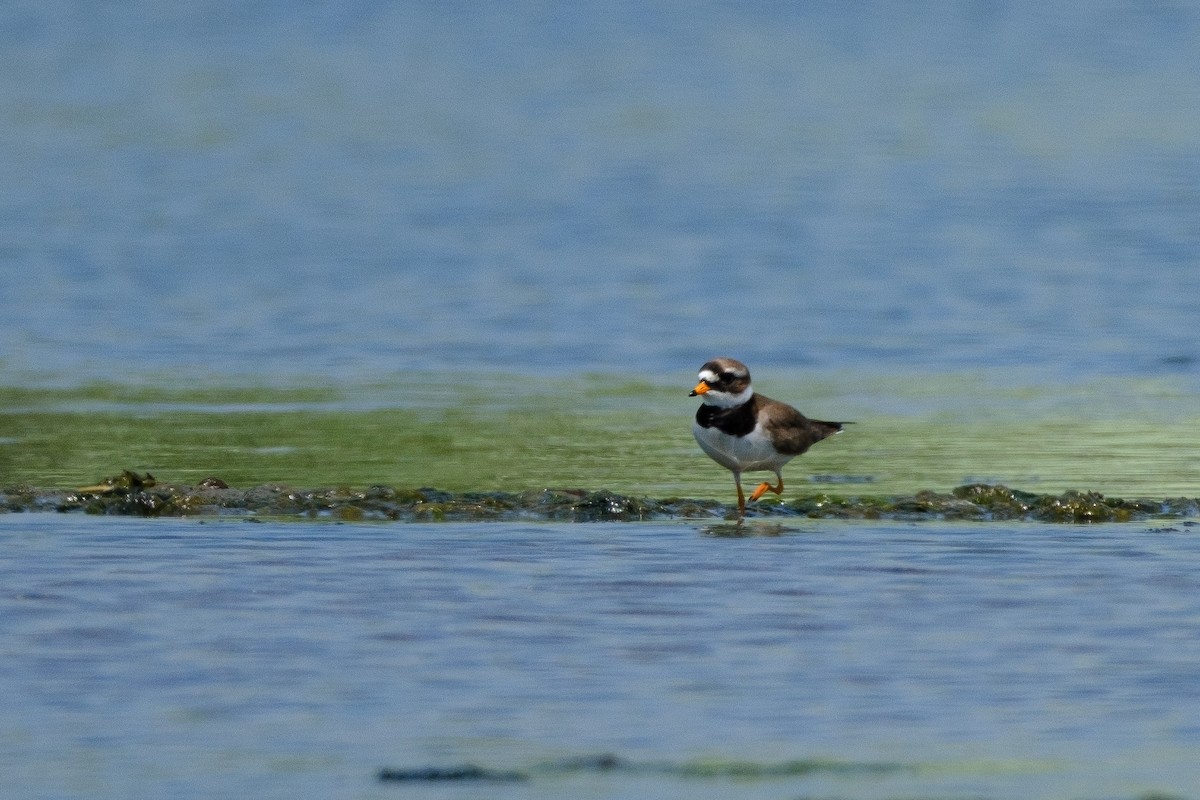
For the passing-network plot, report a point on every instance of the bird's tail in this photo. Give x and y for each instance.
(829, 428)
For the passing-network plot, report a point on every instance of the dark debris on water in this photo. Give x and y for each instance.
(607, 762)
(129, 494)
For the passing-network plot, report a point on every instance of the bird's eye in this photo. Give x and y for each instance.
(727, 376)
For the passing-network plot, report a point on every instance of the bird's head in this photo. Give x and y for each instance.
(724, 382)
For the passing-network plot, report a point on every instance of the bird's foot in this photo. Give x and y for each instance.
(764, 487)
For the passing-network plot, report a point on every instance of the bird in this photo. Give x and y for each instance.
(747, 432)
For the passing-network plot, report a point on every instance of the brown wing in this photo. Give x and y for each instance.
(793, 432)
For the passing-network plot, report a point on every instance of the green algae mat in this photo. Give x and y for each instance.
(503, 437)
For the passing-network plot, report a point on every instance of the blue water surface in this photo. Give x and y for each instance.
(183, 659)
(349, 190)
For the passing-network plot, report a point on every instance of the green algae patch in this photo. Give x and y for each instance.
(631, 439)
(756, 770)
(994, 503)
(471, 444)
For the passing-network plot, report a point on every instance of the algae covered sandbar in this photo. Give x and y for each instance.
(548, 448)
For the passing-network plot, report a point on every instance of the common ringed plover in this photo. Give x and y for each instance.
(746, 432)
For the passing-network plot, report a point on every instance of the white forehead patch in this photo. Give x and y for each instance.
(708, 376)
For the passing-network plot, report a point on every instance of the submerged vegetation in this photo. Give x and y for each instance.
(610, 763)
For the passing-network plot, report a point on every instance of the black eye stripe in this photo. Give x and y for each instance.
(722, 378)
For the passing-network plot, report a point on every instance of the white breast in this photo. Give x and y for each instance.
(753, 451)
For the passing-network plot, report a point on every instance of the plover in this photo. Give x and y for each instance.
(747, 432)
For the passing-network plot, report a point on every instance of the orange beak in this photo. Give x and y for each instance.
(701, 388)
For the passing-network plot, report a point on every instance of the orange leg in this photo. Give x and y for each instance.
(766, 485)
(741, 496)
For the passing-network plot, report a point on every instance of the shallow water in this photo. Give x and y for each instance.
(210, 189)
(147, 658)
